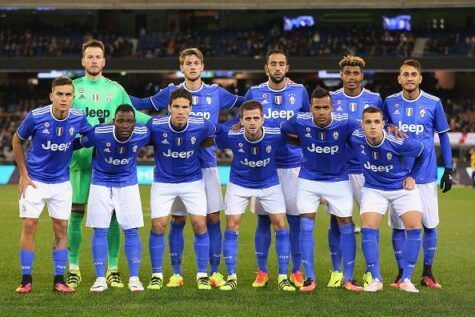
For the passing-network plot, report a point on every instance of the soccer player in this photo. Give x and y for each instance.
(281, 99)
(386, 161)
(178, 174)
(324, 138)
(44, 177)
(114, 186)
(254, 174)
(421, 115)
(98, 97)
(207, 101)
(351, 99)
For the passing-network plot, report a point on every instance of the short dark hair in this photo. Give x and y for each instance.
(61, 81)
(372, 110)
(180, 93)
(414, 63)
(250, 105)
(93, 43)
(276, 51)
(124, 108)
(319, 92)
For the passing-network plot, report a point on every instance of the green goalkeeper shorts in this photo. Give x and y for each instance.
(80, 180)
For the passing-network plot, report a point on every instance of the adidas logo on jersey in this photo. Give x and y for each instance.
(323, 149)
(278, 114)
(165, 141)
(414, 128)
(176, 154)
(112, 161)
(259, 163)
(56, 146)
(378, 168)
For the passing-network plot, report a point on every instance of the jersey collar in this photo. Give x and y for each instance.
(171, 127)
(376, 146)
(56, 119)
(412, 100)
(113, 133)
(275, 90)
(316, 126)
(256, 141)
(184, 87)
(352, 97)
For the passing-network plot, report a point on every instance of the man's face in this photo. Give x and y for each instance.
(409, 78)
(351, 76)
(277, 68)
(192, 67)
(322, 110)
(93, 61)
(179, 109)
(252, 121)
(124, 123)
(372, 124)
(62, 97)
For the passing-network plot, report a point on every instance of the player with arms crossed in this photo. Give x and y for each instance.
(177, 174)
(254, 174)
(421, 115)
(98, 97)
(324, 138)
(387, 162)
(44, 177)
(207, 101)
(281, 99)
(114, 187)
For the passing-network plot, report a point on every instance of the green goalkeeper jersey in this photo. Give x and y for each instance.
(98, 99)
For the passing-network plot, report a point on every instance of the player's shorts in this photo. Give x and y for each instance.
(237, 198)
(375, 200)
(57, 198)
(357, 183)
(214, 195)
(81, 181)
(288, 179)
(104, 200)
(192, 194)
(430, 208)
(337, 194)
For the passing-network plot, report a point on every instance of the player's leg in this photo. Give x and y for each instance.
(262, 239)
(412, 222)
(176, 241)
(336, 277)
(398, 242)
(113, 244)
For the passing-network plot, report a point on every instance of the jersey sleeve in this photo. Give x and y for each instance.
(441, 124)
(386, 115)
(353, 125)
(227, 100)
(87, 140)
(27, 127)
(248, 95)
(379, 102)
(305, 101)
(141, 103)
(85, 127)
(289, 126)
(161, 99)
(411, 147)
(210, 129)
(221, 137)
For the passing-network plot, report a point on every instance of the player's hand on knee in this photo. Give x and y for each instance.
(24, 182)
(409, 183)
(446, 180)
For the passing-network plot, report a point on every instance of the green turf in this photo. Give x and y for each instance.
(454, 268)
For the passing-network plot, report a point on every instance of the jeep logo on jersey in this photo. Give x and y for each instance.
(378, 168)
(259, 163)
(99, 113)
(323, 149)
(116, 162)
(414, 128)
(203, 114)
(278, 114)
(176, 154)
(56, 146)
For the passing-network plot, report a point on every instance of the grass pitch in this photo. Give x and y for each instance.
(454, 268)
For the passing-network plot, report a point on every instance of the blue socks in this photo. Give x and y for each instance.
(334, 244)
(306, 245)
(370, 246)
(348, 249)
(26, 261)
(282, 247)
(99, 250)
(215, 245)
(156, 245)
(230, 248)
(262, 240)
(294, 237)
(399, 240)
(176, 244)
(133, 250)
(60, 260)
(411, 252)
(429, 245)
(201, 245)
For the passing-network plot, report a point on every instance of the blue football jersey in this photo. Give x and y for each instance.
(419, 118)
(254, 163)
(354, 106)
(176, 152)
(114, 162)
(207, 103)
(51, 148)
(385, 166)
(325, 150)
(279, 106)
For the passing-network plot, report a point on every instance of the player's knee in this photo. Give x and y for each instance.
(29, 226)
(159, 225)
(78, 208)
(278, 221)
(212, 218)
(233, 226)
(343, 220)
(308, 215)
(199, 227)
(179, 220)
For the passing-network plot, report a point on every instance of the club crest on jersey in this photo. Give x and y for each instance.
(422, 113)
(121, 150)
(71, 131)
(208, 99)
(109, 98)
(375, 155)
(59, 131)
(322, 135)
(389, 156)
(194, 100)
(335, 135)
(268, 149)
(353, 106)
(362, 151)
(409, 111)
(179, 141)
(292, 99)
(255, 150)
(135, 148)
(278, 100)
(193, 139)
